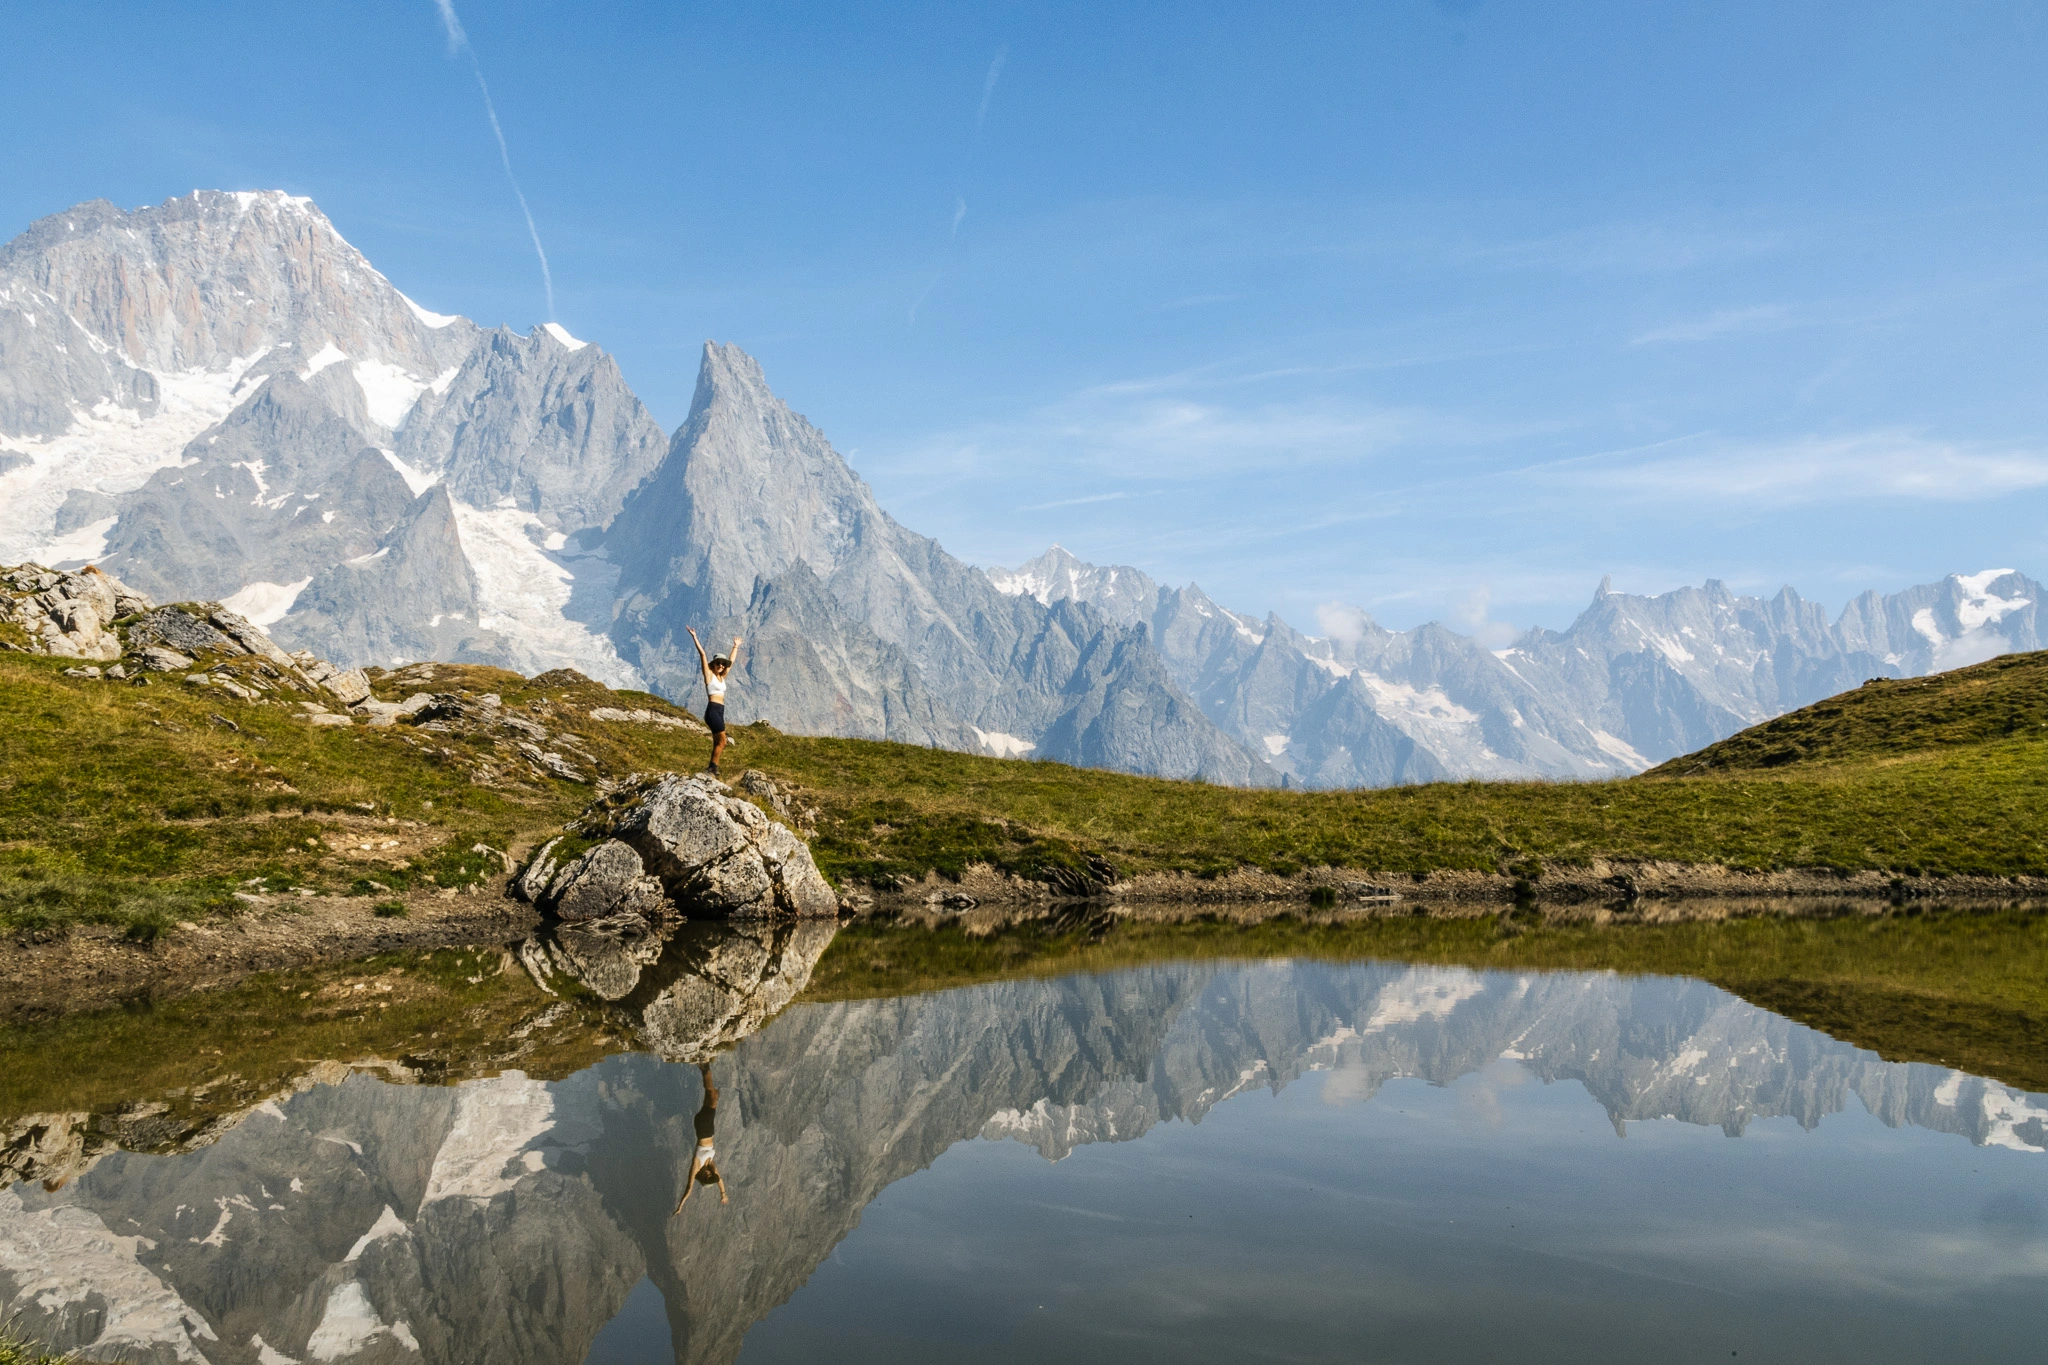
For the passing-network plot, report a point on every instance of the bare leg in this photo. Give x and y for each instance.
(717, 747)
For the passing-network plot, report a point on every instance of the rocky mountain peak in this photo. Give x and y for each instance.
(748, 488)
(1125, 595)
(213, 279)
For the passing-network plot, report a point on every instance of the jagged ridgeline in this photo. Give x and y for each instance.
(219, 399)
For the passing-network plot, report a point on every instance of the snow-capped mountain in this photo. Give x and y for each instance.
(221, 399)
(755, 526)
(1634, 681)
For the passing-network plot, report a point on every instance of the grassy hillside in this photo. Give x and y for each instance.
(2002, 700)
(144, 806)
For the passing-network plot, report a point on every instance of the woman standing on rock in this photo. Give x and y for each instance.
(714, 688)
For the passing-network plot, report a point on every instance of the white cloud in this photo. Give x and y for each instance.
(1473, 613)
(988, 85)
(1880, 464)
(1344, 624)
(1722, 322)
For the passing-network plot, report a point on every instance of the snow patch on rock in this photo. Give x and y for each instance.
(265, 603)
(56, 1257)
(524, 589)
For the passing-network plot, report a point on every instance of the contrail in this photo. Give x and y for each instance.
(988, 84)
(458, 44)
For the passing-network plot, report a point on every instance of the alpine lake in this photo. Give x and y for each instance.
(1078, 1137)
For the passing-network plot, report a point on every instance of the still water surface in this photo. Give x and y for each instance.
(1281, 1160)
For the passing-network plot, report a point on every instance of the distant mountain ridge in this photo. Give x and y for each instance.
(222, 399)
(1632, 682)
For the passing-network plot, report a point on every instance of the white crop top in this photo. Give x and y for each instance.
(715, 685)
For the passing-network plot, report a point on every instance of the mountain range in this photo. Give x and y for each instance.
(220, 399)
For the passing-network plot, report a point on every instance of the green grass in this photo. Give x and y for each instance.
(2004, 699)
(897, 810)
(142, 806)
(137, 807)
(16, 1351)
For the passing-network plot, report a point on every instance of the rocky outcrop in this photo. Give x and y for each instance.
(70, 615)
(689, 840)
(607, 880)
(91, 614)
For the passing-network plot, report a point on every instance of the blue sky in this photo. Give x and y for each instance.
(1444, 309)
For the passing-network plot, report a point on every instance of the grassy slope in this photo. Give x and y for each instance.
(2003, 700)
(139, 806)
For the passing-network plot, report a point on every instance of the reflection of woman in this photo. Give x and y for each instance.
(704, 1161)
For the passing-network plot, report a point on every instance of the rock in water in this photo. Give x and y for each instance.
(608, 880)
(711, 852)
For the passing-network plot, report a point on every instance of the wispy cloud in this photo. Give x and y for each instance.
(458, 45)
(1198, 301)
(988, 85)
(1722, 322)
(1878, 464)
(1641, 248)
(1076, 502)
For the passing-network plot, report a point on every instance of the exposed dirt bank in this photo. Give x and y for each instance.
(57, 971)
(1615, 885)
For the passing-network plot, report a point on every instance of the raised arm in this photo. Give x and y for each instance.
(703, 659)
(735, 655)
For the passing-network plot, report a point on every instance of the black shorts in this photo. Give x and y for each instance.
(714, 717)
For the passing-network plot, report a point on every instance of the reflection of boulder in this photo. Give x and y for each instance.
(731, 987)
(607, 955)
(708, 851)
(688, 990)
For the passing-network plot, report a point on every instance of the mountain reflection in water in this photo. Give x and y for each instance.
(1340, 1122)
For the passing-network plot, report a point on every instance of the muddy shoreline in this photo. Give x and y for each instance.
(59, 971)
(1613, 884)
(91, 966)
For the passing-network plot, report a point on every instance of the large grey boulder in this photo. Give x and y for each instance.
(717, 854)
(607, 880)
